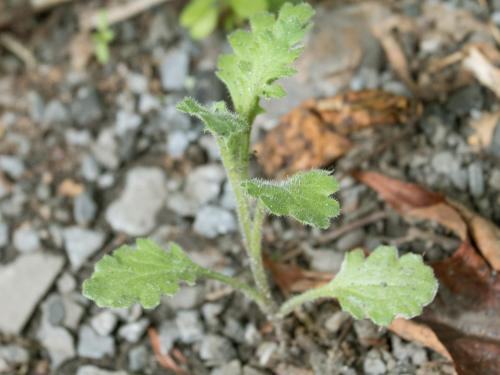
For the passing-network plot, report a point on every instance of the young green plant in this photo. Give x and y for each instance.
(380, 287)
(102, 38)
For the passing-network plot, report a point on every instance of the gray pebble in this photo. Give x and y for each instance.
(177, 143)
(66, 283)
(105, 149)
(92, 345)
(494, 147)
(148, 103)
(26, 239)
(216, 350)
(86, 107)
(212, 221)
(169, 334)
(80, 244)
(137, 83)
(93, 370)
(190, 326)
(14, 354)
(104, 323)
(335, 322)
(132, 332)
(12, 166)
(174, 69)
(203, 184)
(36, 106)
(443, 162)
(186, 298)
(134, 212)
(89, 168)
(351, 240)
(266, 353)
(228, 199)
(84, 209)
(58, 342)
(138, 358)
(326, 260)
(494, 181)
(56, 113)
(127, 122)
(53, 310)
(476, 179)
(4, 234)
(231, 368)
(182, 205)
(373, 364)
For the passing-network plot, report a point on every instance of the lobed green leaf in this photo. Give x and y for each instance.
(200, 17)
(383, 286)
(305, 196)
(263, 55)
(140, 275)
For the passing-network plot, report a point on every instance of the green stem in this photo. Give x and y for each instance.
(256, 253)
(308, 296)
(250, 292)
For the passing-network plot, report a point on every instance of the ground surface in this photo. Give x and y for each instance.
(92, 156)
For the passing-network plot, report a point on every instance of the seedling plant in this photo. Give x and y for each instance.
(380, 287)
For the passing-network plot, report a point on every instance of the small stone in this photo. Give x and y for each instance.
(104, 323)
(138, 358)
(105, 149)
(92, 345)
(234, 330)
(373, 364)
(89, 168)
(248, 370)
(14, 354)
(182, 205)
(137, 83)
(190, 326)
(177, 143)
(212, 221)
(55, 113)
(132, 332)
(53, 309)
(203, 183)
(66, 283)
(58, 342)
(335, 322)
(134, 212)
(186, 298)
(209, 144)
(443, 162)
(78, 137)
(22, 300)
(216, 350)
(148, 103)
(464, 100)
(92, 370)
(4, 234)
(169, 334)
(26, 239)
(36, 106)
(266, 353)
(366, 331)
(73, 312)
(228, 200)
(476, 179)
(351, 240)
(84, 209)
(326, 260)
(174, 69)
(127, 122)
(419, 355)
(252, 335)
(12, 166)
(211, 311)
(494, 148)
(231, 368)
(494, 180)
(80, 244)
(86, 107)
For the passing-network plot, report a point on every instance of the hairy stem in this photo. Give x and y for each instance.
(256, 252)
(251, 235)
(250, 292)
(308, 296)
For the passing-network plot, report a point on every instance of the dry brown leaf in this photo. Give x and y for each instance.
(465, 315)
(483, 69)
(164, 359)
(315, 134)
(484, 129)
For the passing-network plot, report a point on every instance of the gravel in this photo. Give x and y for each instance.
(476, 179)
(138, 358)
(86, 107)
(134, 212)
(84, 209)
(23, 299)
(12, 166)
(373, 364)
(212, 221)
(190, 326)
(132, 332)
(174, 69)
(92, 345)
(26, 239)
(216, 350)
(93, 370)
(80, 244)
(203, 184)
(4, 234)
(104, 323)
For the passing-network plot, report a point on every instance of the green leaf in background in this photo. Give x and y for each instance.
(200, 17)
(245, 8)
(140, 275)
(383, 286)
(305, 196)
(263, 55)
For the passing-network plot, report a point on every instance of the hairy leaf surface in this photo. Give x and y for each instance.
(383, 286)
(140, 275)
(263, 55)
(305, 196)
